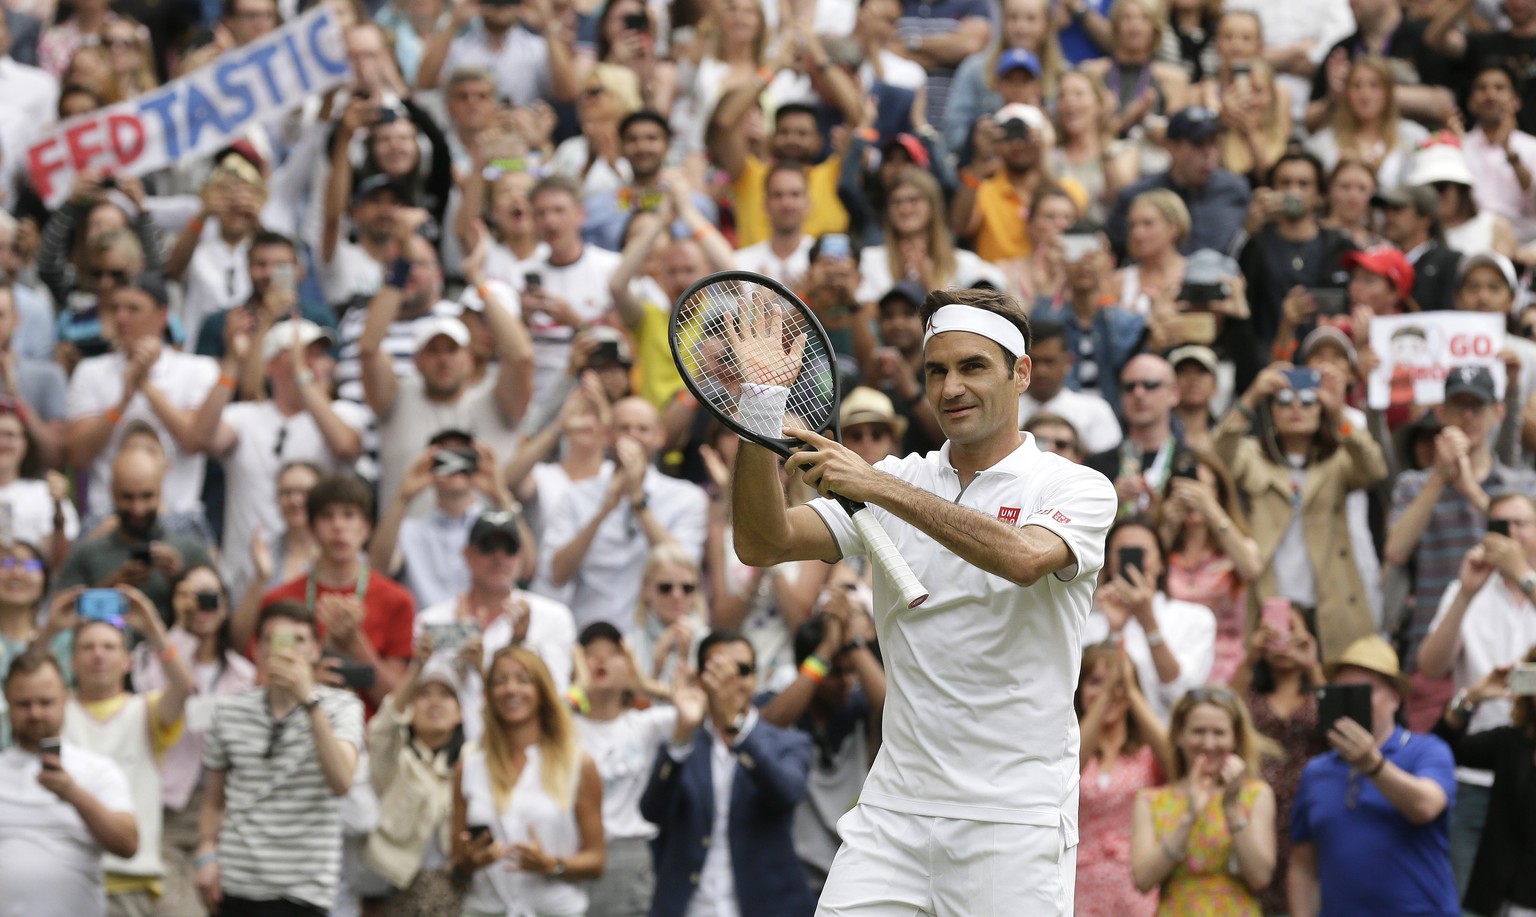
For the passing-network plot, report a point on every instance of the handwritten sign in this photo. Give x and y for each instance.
(1418, 351)
(199, 113)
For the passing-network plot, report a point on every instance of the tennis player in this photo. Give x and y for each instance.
(971, 806)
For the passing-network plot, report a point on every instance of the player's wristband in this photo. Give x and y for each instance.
(761, 409)
(814, 669)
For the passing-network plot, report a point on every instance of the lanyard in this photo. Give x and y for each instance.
(310, 586)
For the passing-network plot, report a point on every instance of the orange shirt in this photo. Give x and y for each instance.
(1004, 232)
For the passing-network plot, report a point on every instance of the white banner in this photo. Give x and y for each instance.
(1419, 349)
(198, 114)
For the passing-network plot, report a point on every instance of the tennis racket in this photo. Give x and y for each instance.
(737, 327)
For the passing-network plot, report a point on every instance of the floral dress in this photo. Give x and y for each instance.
(1106, 798)
(1204, 884)
(1297, 738)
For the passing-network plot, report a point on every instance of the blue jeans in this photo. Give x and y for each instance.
(1467, 818)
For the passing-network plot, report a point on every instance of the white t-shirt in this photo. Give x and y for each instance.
(978, 720)
(218, 277)
(267, 442)
(49, 863)
(876, 280)
(1098, 429)
(584, 284)
(501, 264)
(761, 259)
(624, 749)
(97, 387)
(351, 272)
(30, 507)
(1189, 631)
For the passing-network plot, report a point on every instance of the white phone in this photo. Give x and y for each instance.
(1075, 246)
(1522, 680)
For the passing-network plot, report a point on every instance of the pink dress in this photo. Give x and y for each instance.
(1215, 584)
(1104, 886)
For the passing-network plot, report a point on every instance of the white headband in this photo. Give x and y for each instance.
(989, 325)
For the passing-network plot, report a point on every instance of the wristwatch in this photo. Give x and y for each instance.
(1528, 582)
(305, 376)
(1463, 703)
(310, 703)
(559, 871)
(915, 44)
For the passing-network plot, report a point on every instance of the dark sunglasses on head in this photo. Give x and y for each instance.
(669, 588)
(1150, 385)
(1306, 397)
(274, 739)
(1211, 693)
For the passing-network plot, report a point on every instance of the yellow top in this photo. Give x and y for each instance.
(826, 214)
(1004, 232)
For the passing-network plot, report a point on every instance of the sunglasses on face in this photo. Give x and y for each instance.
(745, 668)
(1306, 397)
(872, 434)
(1055, 442)
(118, 277)
(1150, 385)
(29, 564)
(669, 588)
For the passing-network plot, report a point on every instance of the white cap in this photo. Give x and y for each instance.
(280, 336)
(1440, 162)
(432, 326)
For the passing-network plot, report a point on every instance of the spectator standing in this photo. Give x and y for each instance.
(1501, 155)
(997, 188)
(277, 758)
(671, 616)
(785, 254)
(212, 250)
(60, 809)
(1027, 46)
(1511, 45)
(1379, 797)
(1142, 463)
(1101, 336)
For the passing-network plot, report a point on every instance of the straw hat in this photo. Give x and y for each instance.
(1373, 654)
(867, 405)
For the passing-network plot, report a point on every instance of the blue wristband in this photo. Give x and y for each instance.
(398, 274)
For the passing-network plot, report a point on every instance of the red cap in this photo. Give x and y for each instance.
(1386, 261)
(913, 147)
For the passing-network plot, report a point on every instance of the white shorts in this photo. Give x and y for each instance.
(896, 865)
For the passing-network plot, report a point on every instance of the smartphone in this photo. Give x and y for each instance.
(452, 637)
(637, 22)
(283, 277)
(1336, 702)
(1275, 613)
(1075, 246)
(52, 746)
(107, 605)
(1132, 558)
(1303, 378)
(455, 460)
(1522, 680)
(836, 245)
(357, 676)
(1241, 70)
(283, 641)
(533, 280)
(208, 601)
(1498, 527)
(140, 553)
(478, 831)
(1185, 465)
(1330, 300)
(1202, 293)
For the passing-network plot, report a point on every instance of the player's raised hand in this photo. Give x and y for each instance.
(757, 339)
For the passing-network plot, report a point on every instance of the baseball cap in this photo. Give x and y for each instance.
(1386, 261)
(909, 290)
(599, 630)
(1498, 262)
(1019, 120)
(280, 336)
(437, 671)
(1373, 654)
(867, 405)
(1018, 59)
(495, 528)
(1194, 124)
(910, 145)
(432, 326)
(1327, 334)
(1421, 198)
(1476, 381)
(374, 184)
(1199, 353)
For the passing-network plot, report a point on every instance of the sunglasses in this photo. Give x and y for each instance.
(120, 278)
(669, 588)
(29, 564)
(1150, 385)
(872, 434)
(1055, 443)
(274, 739)
(745, 668)
(1201, 695)
(1306, 397)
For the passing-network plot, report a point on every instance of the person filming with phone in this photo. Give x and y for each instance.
(61, 806)
(1370, 829)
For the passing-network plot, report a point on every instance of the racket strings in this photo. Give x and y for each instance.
(717, 316)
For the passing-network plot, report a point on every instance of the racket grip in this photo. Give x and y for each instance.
(885, 556)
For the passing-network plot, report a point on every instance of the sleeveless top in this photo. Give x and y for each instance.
(1205, 883)
(501, 890)
(124, 737)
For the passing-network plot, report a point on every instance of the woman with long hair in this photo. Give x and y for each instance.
(623, 44)
(1189, 38)
(1207, 840)
(1277, 680)
(201, 635)
(1157, 223)
(1367, 125)
(730, 49)
(670, 616)
(918, 245)
(973, 94)
(1294, 459)
(528, 794)
(23, 583)
(1140, 85)
(128, 49)
(1257, 113)
(1124, 751)
(36, 501)
(1086, 149)
(1468, 229)
(1211, 556)
(1351, 186)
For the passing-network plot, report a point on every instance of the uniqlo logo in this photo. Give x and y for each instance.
(1059, 516)
(1008, 514)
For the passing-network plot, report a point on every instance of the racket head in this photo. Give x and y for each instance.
(702, 351)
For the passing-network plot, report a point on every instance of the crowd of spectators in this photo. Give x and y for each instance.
(362, 551)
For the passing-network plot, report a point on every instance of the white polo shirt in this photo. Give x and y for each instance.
(978, 716)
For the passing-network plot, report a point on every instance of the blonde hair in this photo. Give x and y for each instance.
(941, 245)
(1052, 61)
(1154, 11)
(713, 29)
(1170, 207)
(559, 754)
(1346, 126)
(672, 554)
(1272, 135)
(1107, 105)
(1247, 742)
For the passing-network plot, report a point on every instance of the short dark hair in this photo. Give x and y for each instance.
(644, 115)
(1045, 330)
(266, 238)
(31, 662)
(794, 108)
(720, 638)
(338, 490)
(1319, 171)
(990, 300)
(786, 165)
(286, 610)
(556, 183)
(1501, 64)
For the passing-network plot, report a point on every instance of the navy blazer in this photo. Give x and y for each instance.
(770, 782)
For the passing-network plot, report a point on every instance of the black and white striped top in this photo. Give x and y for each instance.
(282, 826)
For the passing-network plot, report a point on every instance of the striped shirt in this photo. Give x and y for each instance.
(281, 836)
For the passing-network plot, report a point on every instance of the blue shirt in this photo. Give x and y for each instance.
(1370, 859)
(1216, 210)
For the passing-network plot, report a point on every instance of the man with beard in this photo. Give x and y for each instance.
(644, 138)
(994, 190)
(209, 256)
(137, 552)
(1502, 157)
(351, 269)
(413, 405)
